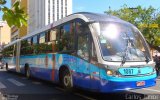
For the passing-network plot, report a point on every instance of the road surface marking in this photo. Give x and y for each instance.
(152, 90)
(60, 88)
(2, 85)
(16, 82)
(83, 96)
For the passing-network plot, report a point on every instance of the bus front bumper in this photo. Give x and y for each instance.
(113, 86)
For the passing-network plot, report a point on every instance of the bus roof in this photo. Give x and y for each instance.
(98, 17)
(86, 16)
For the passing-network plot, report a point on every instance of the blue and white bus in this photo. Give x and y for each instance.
(96, 52)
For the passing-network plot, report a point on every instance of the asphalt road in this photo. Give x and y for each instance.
(17, 87)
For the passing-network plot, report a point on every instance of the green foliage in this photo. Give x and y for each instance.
(14, 16)
(29, 49)
(2, 2)
(8, 52)
(42, 48)
(143, 18)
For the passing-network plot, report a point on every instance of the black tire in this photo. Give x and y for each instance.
(67, 82)
(27, 72)
(6, 67)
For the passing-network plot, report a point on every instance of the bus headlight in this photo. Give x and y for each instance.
(110, 72)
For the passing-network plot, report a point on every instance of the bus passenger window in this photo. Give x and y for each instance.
(42, 38)
(66, 41)
(82, 28)
(83, 47)
(9, 51)
(29, 41)
(47, 36)
(53, 39)
(35, 38)
(26, 47)
(34, 45)
(53, 34)
(41, 46)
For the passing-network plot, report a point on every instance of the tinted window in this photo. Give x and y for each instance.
(29, 40)
(9, 51)
(82, 27)
(53, 34)
(83, 47)
(26, 47)
(66, 41)
(35, 38)
(42, 37)
(83, 33)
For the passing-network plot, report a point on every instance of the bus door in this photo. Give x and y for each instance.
(17, 56)
(94, 69)
(83, 65)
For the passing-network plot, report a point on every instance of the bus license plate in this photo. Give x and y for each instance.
(141, 83)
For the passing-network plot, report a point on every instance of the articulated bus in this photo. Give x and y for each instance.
(97, 52)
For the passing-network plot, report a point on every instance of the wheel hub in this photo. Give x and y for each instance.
(66, 80)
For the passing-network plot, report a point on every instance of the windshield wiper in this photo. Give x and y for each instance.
(124, 57)
(131, 44)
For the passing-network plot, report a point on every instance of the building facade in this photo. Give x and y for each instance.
(5, 33)
(44, 12)
(19, 32)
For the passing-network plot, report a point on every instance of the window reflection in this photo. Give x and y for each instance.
(66, 41)
(42, 38)
(9, 51)
(83, 32)
(128, 41)
(83, 47)
(50, 41)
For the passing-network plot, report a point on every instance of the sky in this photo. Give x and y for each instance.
(8, 5)
(99, 6)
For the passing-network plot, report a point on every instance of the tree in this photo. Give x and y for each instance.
(146, 19)
(15, 15)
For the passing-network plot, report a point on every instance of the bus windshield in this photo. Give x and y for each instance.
(119, 41)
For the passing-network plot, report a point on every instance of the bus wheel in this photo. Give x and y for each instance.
(67, 79)
(27, 72)
(6, 67)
